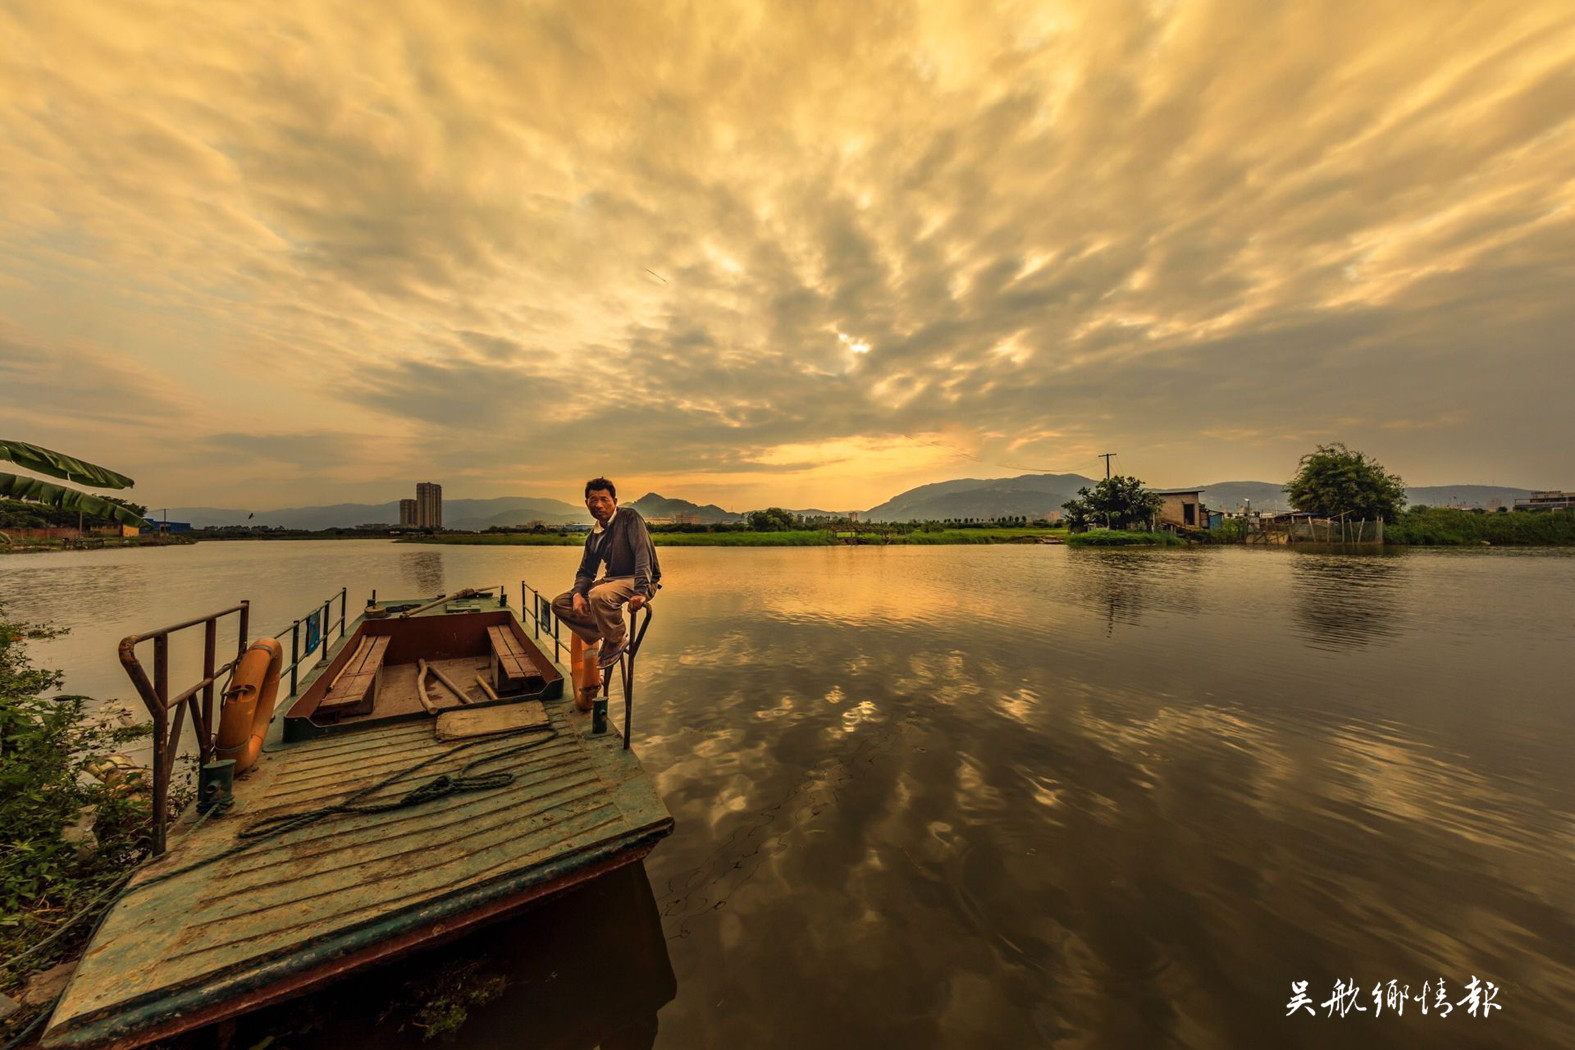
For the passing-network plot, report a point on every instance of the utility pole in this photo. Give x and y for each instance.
(1106, 457)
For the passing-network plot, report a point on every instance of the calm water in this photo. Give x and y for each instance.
(1012, 796)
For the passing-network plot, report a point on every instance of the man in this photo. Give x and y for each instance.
(593, 609)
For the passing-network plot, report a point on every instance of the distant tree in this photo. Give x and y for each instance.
(1334, 480)
(1118, 502)
(772, 519)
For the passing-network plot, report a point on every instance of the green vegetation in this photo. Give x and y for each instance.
(487, 539)
(1333, 480)
(59, 465)
(66, 837)
(1445, 527)
(445, 998)
(1117, 503)
(795, 538)
(1120, 538)
(772, 519)
(876, 535)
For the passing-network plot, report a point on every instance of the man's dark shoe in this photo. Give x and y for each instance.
(610, 653)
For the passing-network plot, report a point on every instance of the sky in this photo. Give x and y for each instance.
(811, 255)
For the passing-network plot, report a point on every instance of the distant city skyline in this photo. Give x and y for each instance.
(764, 253)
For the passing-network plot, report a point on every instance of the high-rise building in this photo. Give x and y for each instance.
(407, 513)
(429, 505)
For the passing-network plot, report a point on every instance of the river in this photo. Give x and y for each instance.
(1013, 796)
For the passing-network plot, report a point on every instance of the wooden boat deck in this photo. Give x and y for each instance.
(261, 924)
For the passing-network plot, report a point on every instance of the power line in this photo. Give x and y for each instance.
(1106, 456)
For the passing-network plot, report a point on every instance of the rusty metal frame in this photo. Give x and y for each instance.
(542, 615)
(626, 666)
(156, 696)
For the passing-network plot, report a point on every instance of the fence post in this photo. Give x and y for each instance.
(295, 653)
(326, 613)
(210, 653)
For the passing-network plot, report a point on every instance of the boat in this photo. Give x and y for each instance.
(427, 774)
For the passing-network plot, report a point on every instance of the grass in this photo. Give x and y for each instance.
(1444, 527)
(1119, 538)
(48, 878)
(795, 538)
(502, 539)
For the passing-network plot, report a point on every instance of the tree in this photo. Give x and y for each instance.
(1333, 480)
(60, 465)
(1117, 502)
(772, 519)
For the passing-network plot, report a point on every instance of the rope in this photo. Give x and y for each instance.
(438, 787)
(441, 786)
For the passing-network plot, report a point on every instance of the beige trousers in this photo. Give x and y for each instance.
(604, 621)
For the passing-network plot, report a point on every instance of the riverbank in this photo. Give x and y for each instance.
(1120, 538)
(92, 543)
(1447, 527)
(794, 538)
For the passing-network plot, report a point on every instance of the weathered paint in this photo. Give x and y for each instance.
(314, 903)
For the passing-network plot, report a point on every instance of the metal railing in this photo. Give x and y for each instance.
(155, 691)
(324, 640)
(542, 618)
(156, 696)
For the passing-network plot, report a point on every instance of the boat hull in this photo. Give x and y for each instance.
(223, 924)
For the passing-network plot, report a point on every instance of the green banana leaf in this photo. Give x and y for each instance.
(60, 465)
(58, 496)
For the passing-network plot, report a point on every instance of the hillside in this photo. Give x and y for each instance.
(652, 505)
(1031, 495)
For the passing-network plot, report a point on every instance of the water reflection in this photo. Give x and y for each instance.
(423, 570)
(1123, 584)
(1030, 795)
(587, 969)
(1347, 601)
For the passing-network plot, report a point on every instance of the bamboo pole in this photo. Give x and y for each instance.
(354, 657)
(449, 683)
(421, 687)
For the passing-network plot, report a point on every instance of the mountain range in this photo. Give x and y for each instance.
(1028, 495)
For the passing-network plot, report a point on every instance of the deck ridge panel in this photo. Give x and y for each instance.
(282, 807)
(426, 746)
(335, 920)
(430, 883)
(424, 738)
(348, 824)
(282, 893)
(368, 775)
(348, 741)
(234, 881)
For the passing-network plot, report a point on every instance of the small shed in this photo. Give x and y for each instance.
(1182, 507)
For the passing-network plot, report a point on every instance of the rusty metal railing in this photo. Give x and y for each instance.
(544, 619)
(156, 696)
(155, 692)
(297, 657)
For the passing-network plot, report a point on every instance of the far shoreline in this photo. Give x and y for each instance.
(787, 538)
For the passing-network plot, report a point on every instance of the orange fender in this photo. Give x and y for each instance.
(248, 703)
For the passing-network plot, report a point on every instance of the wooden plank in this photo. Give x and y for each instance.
(460, 725)
(511, 669)
(356, 688)
(352, 696)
